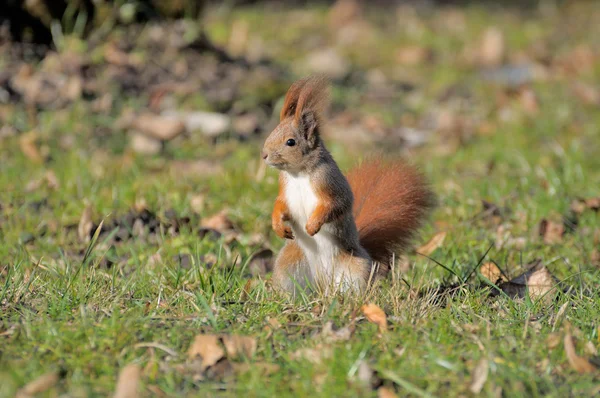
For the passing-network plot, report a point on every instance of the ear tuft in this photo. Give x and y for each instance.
(308, 94)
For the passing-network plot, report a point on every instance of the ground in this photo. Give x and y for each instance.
(499, 108)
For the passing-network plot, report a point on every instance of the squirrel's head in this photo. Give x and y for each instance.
(290, 146)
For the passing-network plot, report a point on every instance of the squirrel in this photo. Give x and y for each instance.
(340, 231)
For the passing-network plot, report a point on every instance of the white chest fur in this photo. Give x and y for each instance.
(321, 249)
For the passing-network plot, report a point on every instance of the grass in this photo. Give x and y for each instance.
(61, 308)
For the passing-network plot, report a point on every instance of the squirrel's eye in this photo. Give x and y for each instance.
(290, 142)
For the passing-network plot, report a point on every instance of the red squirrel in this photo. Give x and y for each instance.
(340, 231)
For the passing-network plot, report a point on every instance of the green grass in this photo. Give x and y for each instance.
(62, 311)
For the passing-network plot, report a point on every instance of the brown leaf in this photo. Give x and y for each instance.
(385, 392)
(435, 242)
(552, 232)
(239, 346)
(162, 128)
(492, 272)
(39, 385)
(128, 383)
(587, 94)
(219, 222)
(491, 47)
(28, 144)
(580, 364)
(412, 55)
(207, 347)
(479, 376)
(143, 144)
(376, 315)
(578, 206)
(537, 281)
(553, 340)
(85, 226)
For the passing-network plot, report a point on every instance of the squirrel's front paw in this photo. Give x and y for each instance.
(283, 231)
(312, 227)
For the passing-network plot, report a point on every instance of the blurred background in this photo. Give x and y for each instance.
(118, 107)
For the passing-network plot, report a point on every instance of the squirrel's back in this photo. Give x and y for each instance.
(391, 201)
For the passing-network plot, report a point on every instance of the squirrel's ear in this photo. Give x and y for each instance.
(309, 127)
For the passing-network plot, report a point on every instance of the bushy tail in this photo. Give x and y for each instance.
(391, 202)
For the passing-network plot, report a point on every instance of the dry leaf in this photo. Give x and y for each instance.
(208, 348)
(143, 144)
(587, 94)
(85, 226)
(580, 364)
(237, 346)
(162, 128)
(578, 206)
(479, 376)
(537, 281)
(553, 340)
(433, 244)
(492, 272)
(551, 231)
(219, 222)
(491, 48)
(384, 392)
(197, 203)
(412, 55)
(376, 315)
(365, 373)
(127, 386)
(41, 384)
(28, 144)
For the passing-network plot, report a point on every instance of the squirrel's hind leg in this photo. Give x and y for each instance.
(291, 271)
(352, 272)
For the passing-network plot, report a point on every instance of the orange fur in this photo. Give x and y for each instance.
(310, 93)
(391, 201)
(281, 214)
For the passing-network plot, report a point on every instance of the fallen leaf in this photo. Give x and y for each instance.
(552, 232)
(580, 364)
(239, 346)
(330, 334)
(197, 203)
(587, 94)
(85, 226)
(376, 315)
(578, 206)
(412, 55)
(128, 383)
(538, 282)
(39, 385)
(159, 127)
(435, 242)
(492, 272)
(28, 144)
(207, 347)
(219, 222)
(491, 47)
(384, 392)
(364, 373)
(479, 376)
(553, 340)
(143, 144)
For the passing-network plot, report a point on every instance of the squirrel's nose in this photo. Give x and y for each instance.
(264, 154)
